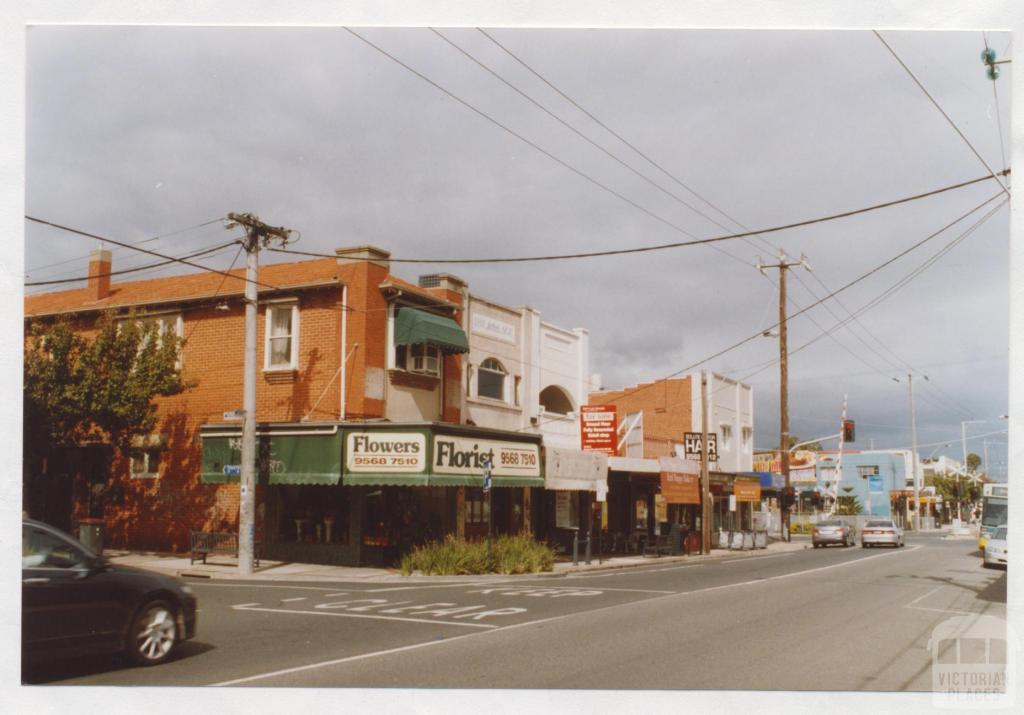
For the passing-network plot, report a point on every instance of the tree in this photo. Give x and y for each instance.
(79, 388)
(973, 462)
(848, 505)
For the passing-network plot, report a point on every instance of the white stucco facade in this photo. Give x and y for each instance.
(730, 417)
(523, 373)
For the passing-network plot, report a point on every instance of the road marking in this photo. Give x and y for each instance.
(746, 559)
(249, 607)
(498, 629)
(438, 585)
(260, 585)
(913, 607)
(921, 598)
(297, 598)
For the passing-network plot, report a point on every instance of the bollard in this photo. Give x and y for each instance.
(575, 548)
(588, 550)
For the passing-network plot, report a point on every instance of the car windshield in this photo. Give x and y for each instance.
(879, 523)
(1000, 533)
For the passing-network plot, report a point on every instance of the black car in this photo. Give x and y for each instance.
(74, 602)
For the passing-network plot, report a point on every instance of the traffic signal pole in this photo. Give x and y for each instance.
(256, 232)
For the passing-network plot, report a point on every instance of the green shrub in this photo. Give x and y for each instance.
(803, 527)
(455, 557)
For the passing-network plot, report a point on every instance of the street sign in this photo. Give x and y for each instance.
(692, 445)
(233, 470)
(234, 415)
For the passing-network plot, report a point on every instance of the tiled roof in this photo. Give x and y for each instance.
(184, 287)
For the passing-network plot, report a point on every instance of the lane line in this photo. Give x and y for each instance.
(246, 607)
(498, 629)
(297, 598)
(437, 585)
(921, 598)
(260, 585)
(758, 558)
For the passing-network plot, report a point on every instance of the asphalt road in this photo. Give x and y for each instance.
(817, 619)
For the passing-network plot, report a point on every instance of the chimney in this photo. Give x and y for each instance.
(99, 274)
(370, 254)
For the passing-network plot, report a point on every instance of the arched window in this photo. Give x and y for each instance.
(490, 380)
(555, 400)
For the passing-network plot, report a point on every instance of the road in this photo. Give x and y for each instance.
(816, 619)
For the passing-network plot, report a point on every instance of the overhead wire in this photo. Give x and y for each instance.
(197, 254)
(941, 111)
(145, 240)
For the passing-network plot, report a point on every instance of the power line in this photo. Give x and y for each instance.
(941, 111)
(145, 240)
(197, 254)
(855, 281)
(665, 246)
(144, 250)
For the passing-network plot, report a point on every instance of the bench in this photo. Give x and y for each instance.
(213, 542)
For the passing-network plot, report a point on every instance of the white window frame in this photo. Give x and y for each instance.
(867, 470)
(503, 397)
(150, 458)
(419, 364)
(271, 308)
(726, 436)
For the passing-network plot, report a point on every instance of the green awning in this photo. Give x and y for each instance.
(283, 457)
(437, 480)
(415, 327)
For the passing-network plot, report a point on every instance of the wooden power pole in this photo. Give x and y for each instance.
(256, 232)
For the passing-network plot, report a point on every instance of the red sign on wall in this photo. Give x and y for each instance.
(598, 429)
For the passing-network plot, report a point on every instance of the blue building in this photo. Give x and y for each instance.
(877, 477)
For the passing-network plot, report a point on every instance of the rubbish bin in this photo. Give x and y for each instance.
(90, 533)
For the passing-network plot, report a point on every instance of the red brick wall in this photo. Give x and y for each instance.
(667, 407)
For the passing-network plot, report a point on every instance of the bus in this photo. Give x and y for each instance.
(995, 510)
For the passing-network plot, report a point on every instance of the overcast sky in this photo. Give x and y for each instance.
(136, 132)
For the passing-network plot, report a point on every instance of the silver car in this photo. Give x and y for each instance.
(881, 531)
(833, 531)
(996, 550)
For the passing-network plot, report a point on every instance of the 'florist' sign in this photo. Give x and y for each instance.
(466, 456)
(385, 452)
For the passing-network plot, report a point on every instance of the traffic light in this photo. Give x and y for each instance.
(789, 498)
(849, 433)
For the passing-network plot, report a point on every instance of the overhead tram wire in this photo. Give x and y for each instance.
(641, 175)
(835, 292)
(150, 266)
(674, 178)
(137, 243)
(664, 246)
(147, 251)
(942, 112)
(999, 120)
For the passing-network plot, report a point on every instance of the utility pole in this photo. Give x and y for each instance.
(256, 232)
(783, 265)
(913, 454)
(705, 477)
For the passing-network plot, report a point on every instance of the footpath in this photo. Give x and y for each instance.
(226, 567)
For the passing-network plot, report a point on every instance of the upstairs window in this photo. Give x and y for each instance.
(145, 463)
(867, 471)
(490, 380)
(748, 433)
(421, 358)
(726, 436)
(281, 348)
(555, 400)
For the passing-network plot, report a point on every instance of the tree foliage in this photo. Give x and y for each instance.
(973, 462)
(78, 388)
(848, 505)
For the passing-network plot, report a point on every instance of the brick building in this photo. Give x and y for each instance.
(365, 446)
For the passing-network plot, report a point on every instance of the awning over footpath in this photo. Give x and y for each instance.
(416, 327)
(576, 470)
(286, 454)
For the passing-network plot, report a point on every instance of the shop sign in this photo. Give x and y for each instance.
(660, 508)
(376, 452)
(493, 328)
(680, 488)
(768, 462)
(598, 429)
(466, 456)
(693, 445)
(803, 475)
(747, 490)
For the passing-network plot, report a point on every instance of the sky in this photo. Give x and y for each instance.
(137, 132)
(134, 132)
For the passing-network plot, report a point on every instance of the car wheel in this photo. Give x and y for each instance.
(153, 634)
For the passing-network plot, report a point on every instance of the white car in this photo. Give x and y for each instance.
(881, 531)
(996, 551)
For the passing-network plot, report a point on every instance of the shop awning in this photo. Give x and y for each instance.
(285, 454)
(415, 327)
(576, 470)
